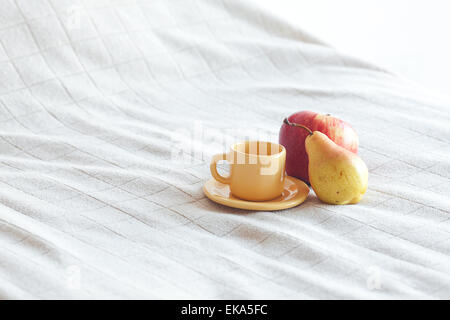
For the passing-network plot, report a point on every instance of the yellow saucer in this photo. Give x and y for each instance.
(295, 192)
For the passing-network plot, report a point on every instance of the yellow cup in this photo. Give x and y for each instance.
(257, 170)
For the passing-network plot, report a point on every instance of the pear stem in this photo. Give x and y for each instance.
(286, 121)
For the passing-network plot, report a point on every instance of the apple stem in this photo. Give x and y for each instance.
(286, 121)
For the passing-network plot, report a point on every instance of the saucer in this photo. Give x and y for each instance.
(295, 192)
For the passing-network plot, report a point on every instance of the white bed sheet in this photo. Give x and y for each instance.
(96, 99)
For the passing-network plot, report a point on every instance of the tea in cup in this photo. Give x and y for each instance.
(257, 170)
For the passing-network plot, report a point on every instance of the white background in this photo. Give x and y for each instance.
(409, 37)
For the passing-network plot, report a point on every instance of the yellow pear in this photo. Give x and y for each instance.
(337, 175)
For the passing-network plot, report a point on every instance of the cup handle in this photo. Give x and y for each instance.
(213, 168)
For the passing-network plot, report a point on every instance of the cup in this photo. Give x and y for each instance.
(257, 170)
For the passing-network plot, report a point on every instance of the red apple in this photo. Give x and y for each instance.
(293, 139)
